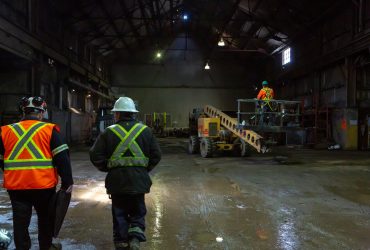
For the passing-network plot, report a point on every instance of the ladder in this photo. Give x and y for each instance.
(249, 136)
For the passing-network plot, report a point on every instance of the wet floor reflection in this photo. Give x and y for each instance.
(93, 192)
(287, 235)
(155, 207)
(158, 211)
(225, 203)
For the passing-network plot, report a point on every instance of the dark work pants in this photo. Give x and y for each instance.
(22, 203)
(265, 107)
(128, 213)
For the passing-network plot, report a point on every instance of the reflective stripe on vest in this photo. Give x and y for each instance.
(128, 142)
(25, 142)
(268, 95)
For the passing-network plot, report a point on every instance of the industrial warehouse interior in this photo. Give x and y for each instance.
(261, 110)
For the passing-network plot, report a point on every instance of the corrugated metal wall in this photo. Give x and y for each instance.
(331, 68)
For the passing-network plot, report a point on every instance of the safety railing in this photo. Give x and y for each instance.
(268, 113)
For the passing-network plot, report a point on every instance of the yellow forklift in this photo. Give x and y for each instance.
(211, 131)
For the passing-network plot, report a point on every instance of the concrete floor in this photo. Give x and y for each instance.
(310, 200)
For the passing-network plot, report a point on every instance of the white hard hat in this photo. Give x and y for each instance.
(124, 104)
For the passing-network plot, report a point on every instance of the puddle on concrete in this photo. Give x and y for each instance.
(285, 160)
(235, 186)
(353, 193)
(69, 244)
(6, 218)
(72, 204)
(287, 237)
(241, 206)
(252, 203)
(211, 170)
(204, 237)
(340, 231)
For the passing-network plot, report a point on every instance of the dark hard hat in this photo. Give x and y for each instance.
(33, 104)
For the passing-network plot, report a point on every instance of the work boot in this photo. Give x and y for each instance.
(56, 246)
(134, 244)
(121, 246)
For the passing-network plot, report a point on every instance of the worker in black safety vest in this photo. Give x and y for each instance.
(128, 151)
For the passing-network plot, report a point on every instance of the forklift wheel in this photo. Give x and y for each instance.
(193, 147)
(206, 147)
(241, 148)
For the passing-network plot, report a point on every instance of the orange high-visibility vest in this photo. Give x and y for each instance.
(28, 159)
(265, 94)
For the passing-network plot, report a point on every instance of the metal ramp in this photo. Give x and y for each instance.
(249, 136)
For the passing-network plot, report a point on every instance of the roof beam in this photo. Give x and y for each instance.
(113, 24)
(162, 17)
(128, 18)
(124, 34)
(93, 25)
(99, 27)
(171, 15)
(250, 33)
(144, 16)
(235, 7)
(326, 14)
(255, 27)
(158, 13)
(294, 18)
(156, 23)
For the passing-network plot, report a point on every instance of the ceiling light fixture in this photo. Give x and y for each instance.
(221, 43)
(159, 55)
(207, 66)
(185, 17)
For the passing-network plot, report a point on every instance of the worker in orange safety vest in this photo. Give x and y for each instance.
(264, 96)
(265, 93)
(32, 156)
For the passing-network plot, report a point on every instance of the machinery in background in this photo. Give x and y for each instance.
(162, 125)
(104, 118)
(159, 122)
(212, 130)
(261, 114)
(256, 125)
(278, 121)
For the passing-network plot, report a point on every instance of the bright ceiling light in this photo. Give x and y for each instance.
(159, 55)
(185, 17)
(207, 66)
(221, 43)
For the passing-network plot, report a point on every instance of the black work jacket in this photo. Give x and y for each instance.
(125, 179)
